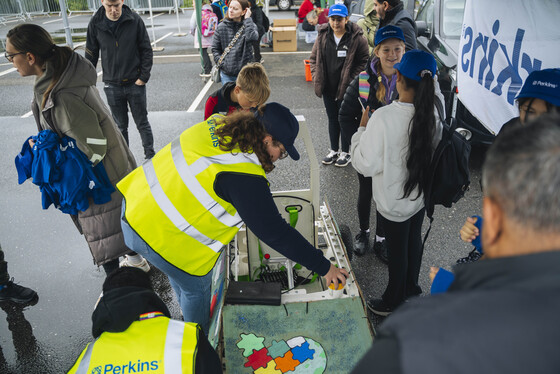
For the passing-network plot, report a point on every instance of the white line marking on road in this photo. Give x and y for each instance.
(157, 15)
(163, 37)
(198, 99)
(101, 72)
(7, 71)
(79, 44)
(28, 114)
(57, 20)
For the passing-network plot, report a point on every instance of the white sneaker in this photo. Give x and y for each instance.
(144, 266)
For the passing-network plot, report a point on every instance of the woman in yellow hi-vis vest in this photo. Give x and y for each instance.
(134, 333)
(185, 204)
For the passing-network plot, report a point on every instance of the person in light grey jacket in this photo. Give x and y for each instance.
(239, 15)
(66, 101)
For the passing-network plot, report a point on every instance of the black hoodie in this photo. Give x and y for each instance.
(119, 307)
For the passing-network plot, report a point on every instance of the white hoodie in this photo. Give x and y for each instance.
(380, 150)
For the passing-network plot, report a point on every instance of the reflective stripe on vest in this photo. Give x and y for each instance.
(177, 356)
(171, 202)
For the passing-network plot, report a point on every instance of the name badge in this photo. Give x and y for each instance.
(341, 53)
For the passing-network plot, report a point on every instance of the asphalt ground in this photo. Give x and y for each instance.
(45, 251)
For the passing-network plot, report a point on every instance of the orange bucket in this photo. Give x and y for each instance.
(308, 77)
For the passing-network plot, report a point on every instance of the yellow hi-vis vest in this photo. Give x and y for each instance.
(151, 346)
(171, 203)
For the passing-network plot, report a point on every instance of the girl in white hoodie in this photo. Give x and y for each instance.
(395, 148)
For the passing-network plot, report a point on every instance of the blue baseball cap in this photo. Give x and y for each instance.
(281, 124)
(542, 84)
(388, 32)
(338, 10)
(415, 63)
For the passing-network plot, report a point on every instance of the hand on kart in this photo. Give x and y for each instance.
(336, 275)
(469, 231)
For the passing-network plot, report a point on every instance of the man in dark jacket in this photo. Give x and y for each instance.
(134, 333)
(500, 315)
(126, 58)
(392, 12)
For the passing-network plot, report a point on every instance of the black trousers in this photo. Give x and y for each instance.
(364, 206)
(404, 244)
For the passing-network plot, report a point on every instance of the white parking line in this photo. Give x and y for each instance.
(7, 71)
(163, 37)
(28, 114)
(200, 96)
(157, 15)
(57, 20)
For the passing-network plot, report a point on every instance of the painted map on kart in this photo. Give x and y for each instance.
(297, 355)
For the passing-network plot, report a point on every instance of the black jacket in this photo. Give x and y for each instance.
(350, 110)
(119, 307)
(126, 55)
(499, 316)
(400, 17)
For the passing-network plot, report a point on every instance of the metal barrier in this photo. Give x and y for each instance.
(20, 10)
(11, 10)
(157, 5)
(33, 7)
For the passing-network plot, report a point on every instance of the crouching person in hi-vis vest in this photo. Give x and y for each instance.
(134, 333)
(185, 204)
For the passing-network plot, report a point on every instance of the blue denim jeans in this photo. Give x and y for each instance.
(119, 99)
(193, 293)
(227, 78)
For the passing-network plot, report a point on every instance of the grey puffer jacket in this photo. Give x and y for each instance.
(74, 108)
(242, 52)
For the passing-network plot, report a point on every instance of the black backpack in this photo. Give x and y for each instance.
(448, 176)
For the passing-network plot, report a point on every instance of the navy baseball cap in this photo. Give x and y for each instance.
(542, 84)
(415, 63)
(338, 10)
(388, 32)
(281, 124)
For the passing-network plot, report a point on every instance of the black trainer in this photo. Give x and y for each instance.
(379, 307)
(16, 293)
(362, 243)
(331, 157)
(380, 250)
(473, 256)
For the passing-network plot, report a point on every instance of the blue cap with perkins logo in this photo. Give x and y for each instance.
(415, 63)
(281, 124)
(388, 32)
(338, 10)
(542, 84)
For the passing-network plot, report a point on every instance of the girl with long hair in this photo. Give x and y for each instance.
(395, 148)
(374, 87)
(66, 101)
(241, 53)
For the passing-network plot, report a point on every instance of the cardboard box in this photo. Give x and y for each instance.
(284, 35)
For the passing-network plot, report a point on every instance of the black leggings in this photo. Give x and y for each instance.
(364, 206)
(404, 244)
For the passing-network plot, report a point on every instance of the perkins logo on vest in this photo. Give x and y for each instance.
(138, 367)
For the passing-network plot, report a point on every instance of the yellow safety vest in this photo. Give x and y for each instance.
(171, 203)
(151, 346)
